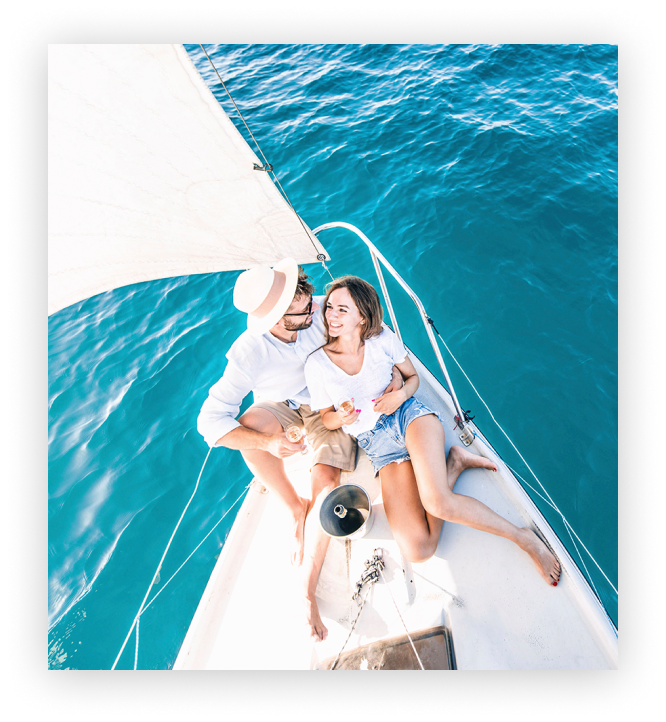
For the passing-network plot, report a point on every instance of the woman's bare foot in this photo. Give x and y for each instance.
(547, 564)
(299, 533)
(318, 631)
(460, 459)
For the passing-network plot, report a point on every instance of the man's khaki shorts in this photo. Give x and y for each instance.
(334, 448)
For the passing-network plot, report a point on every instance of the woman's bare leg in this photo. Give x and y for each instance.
(425, 443)
(415, 531)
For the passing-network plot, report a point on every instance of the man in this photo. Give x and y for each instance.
(284, 326)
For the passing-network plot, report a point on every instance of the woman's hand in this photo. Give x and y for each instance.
(333, 419)
(392, 399)
(349, 418)
(388, 403)
(396, 381)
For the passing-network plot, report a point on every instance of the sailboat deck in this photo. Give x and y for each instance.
(501, 613)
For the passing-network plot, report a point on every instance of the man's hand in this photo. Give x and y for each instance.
(281, 447)
(388, 403)
(396, 382)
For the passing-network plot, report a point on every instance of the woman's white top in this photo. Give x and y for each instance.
(329, 385)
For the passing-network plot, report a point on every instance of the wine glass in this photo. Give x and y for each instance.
(347, 405)
(295, 434)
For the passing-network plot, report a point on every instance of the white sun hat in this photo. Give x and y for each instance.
(265, 294)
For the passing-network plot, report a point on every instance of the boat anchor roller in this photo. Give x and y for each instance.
(346, 513)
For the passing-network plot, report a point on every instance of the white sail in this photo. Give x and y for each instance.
(148, 177)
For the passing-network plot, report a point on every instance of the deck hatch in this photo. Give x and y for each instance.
(434, 647)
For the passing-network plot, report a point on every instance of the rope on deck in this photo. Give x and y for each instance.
(373, 569)
(418, 659)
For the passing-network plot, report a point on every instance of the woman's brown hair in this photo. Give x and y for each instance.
(366, 300)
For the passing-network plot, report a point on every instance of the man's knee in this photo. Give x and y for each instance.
(260, 420)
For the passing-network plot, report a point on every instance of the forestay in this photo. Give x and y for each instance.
(148, 177)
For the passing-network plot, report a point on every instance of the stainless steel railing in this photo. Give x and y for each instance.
(467, 436)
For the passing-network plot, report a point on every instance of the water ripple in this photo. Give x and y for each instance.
(486, 174)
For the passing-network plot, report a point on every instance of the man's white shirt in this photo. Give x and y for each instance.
(271, 369)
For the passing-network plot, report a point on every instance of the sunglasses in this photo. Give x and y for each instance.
(305, 313)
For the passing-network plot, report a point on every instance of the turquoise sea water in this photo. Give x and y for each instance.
(488, 176)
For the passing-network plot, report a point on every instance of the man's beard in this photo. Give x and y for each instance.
(298, 326)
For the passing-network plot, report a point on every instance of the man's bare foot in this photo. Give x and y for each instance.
(460, 459)
(547, 564)
(318, 631)
(299, 532)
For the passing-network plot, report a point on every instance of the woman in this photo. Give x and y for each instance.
(403, 438)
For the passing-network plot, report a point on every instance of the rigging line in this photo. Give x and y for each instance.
(159, 566)
(136, 646)
(570, 530)
(235, 106)
(335, 661)
(323, 263)
(510, 468)
(549, 500)
(567, 525)
(582, 561)
(418, 659)
(369, 577)
(197, 546)
(496, 422)
(267, 166)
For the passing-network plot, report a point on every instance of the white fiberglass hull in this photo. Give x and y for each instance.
(501, 613)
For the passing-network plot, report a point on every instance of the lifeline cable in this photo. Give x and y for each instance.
(159, 566)
(570, 531)
(143, 611)
(549, 499)
(197, 546)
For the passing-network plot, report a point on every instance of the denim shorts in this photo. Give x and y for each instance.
(385, 444)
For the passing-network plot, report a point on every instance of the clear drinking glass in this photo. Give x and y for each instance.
(295, 434)
(347, 405)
